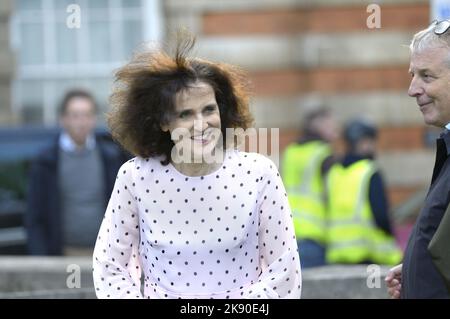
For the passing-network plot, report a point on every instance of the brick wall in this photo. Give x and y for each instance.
(304, 52)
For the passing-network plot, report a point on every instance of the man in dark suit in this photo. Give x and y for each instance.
(429, 68)
(71, 182)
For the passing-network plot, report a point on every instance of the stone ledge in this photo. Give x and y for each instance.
(45, 277)
(342, 282)
(29, 274)
(76, 293)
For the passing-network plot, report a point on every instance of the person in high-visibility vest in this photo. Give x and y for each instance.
(304, 165)
(359, 229)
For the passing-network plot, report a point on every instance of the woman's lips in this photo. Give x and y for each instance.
(203, 139)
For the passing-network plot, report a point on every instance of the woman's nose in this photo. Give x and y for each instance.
(200, 124)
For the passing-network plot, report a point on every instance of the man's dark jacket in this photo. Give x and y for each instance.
(420, 277)
(439, 248)
(43, 218)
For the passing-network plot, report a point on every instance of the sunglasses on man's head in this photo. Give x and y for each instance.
(441, 26)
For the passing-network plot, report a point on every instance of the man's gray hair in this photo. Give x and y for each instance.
(427, 38)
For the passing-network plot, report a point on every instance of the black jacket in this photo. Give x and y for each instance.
(420, 278)
(43, 218)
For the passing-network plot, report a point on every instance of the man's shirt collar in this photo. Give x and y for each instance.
(67, 144)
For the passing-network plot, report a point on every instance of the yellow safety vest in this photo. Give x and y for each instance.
(301, 171)
(352, 235)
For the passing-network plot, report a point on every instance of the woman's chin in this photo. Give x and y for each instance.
(207, 154)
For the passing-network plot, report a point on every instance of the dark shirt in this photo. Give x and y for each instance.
(377, 195)
(420, 278)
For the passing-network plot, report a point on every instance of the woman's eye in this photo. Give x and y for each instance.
(210, 109)
(184, 115)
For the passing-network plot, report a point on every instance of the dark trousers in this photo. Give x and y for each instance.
(312, 254)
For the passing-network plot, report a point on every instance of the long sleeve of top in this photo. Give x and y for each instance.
(279, 258)
(116, 268)
(228, 234)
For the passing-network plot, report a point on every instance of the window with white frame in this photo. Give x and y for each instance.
(53, 56)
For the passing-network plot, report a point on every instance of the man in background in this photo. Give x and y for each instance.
(70, 183)
(303, 169)
(359, 229)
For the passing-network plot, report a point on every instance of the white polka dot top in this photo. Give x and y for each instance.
(228, 234)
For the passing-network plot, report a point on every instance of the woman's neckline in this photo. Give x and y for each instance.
(225, 159)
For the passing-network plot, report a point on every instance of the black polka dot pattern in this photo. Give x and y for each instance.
(228, 234)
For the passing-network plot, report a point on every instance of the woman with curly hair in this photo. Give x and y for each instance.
(199, 218)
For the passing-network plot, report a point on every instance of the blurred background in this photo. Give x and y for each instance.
(299, 53)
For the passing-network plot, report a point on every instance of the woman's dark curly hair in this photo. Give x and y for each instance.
(143, 97)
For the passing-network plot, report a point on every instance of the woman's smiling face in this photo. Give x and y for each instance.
(196, 121)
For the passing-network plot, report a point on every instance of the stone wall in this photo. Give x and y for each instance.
(46, 277)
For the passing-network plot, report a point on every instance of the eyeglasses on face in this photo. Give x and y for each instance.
(441, 26)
